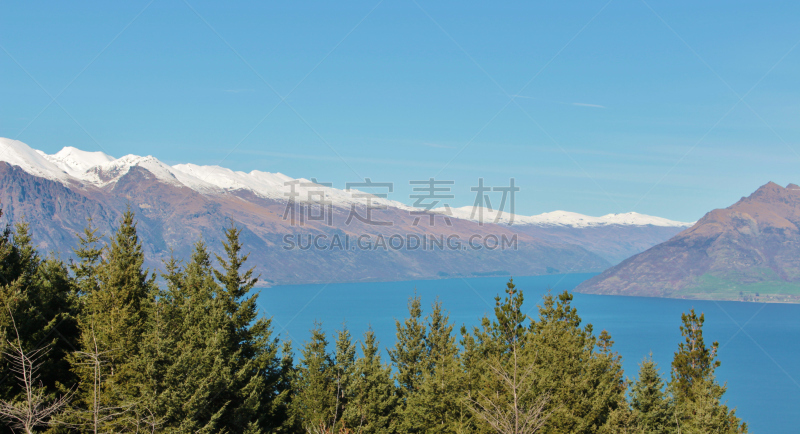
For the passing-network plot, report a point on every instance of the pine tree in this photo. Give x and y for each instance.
(284, 419)
(343, 374)
(125, 289)
(7, 257)
(436, 406)
(506, 397)
(652, 408)
(706, 413)
(693, 361)
(39, 296)
(118, 295)
(372, 408)
(251, 341)
(622, 420)
(576, 368)
(409, 358)
(314, 400)
(236, 284)
(409, 350)
(473, 368)
(190, 374)
(89, 253)
(508, 328)
(697, 394)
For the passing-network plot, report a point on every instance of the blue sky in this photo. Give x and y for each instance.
(659, 107)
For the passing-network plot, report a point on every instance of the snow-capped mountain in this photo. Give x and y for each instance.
(559, 218)
(74, 161)
(278, 186)
(31, 161)
(72, 165)
(176, 206)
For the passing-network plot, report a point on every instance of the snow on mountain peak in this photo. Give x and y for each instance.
(218, 176)
(75, 161)
(559, 218)
(634, 218)
(110, 171)
(74, 165)
(19, 154)
(278, 186)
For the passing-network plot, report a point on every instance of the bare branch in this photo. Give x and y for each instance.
(515, 409)
(34, 409)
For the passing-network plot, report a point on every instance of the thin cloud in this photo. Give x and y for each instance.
(578, 104)
(583, 104)
(438, 145)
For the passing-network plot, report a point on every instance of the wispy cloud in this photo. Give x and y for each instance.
(578, 104)
(583, 104)
(438, 145)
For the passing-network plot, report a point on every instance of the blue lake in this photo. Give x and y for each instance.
(759, 343)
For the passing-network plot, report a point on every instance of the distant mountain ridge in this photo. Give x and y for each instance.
(563, 218)
(99, 169)
(177, 205)
(748, 251)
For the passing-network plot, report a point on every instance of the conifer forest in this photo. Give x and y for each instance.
(99, 344)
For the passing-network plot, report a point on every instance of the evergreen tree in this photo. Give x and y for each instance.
(409, 350)
(237, 284)
(577, 369)
(473, 368)
(509, 329)
(622, 420)
(436, 406)
(38, 304)
(7, 256)
(373, 402)
(652, 408)
(409, 357)
(343, 374)
(697, 394)
(693, 361)
(706, 413)
(113, 321)
(89, 253)
(126, 289)
(211, 363)
(507, 397)
(259, 373)
(284, 419)
(194, 356)
(314, 401)
(189, 363)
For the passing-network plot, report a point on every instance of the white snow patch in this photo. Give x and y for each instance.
(278, 186)
(76, 162)
(559, 218)
(31, 161)
(73, 165)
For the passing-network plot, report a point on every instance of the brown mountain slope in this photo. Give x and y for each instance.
(171, 218)
(613, 243)
(750, 250)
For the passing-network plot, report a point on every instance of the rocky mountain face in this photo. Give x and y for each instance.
(178, 205)
(748, 251)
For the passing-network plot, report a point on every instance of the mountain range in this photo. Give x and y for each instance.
(177, 205)
(748, 251)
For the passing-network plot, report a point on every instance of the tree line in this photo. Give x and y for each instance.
(98, 345)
